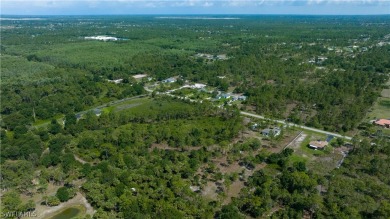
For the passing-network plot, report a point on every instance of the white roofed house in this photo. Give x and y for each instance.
(198, 86)
(103, 38)
(169, 80)
(239, 97)
(139, 76)
(117, 81)
(254, 126)
(224, 96)
(271, 132)
(97, 112)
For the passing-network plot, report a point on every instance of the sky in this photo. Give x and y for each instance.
(133, 7)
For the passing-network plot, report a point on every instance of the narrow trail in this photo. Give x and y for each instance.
(79, 159)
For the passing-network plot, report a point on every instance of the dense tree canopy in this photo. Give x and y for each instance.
(68, 124)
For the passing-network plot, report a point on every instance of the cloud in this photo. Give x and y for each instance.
(188, 6)
(352, 2)
(207, 4)
(186, 3)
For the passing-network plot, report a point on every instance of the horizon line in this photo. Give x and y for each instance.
(195, 14)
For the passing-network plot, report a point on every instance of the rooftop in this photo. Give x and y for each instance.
(318, 144)
(382, 122)
(139, 76)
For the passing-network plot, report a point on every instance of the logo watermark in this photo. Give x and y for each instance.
(18, 214)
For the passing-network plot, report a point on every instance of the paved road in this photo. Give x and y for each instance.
(275, 120)
(296, 125)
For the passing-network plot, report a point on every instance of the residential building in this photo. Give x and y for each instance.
(169, 80)
(97, 112)
(320, 145)
(223, 96)
(198, 86)
(271, 132)
(383, 122)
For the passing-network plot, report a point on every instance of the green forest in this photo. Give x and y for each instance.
(97, 120)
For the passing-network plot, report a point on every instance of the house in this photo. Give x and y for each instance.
(254, 126)
(118, 81)
(195, 188)
(78, 116)
(169, 80)
(198, 86)
(238, 97)
(222, 57)
(320, 145)
(383, 122)
(223, 96)
(242, 97)
(97, 112)
(271, 132)
(139, 76)
(321, 59)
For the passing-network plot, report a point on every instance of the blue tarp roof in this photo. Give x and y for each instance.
(329, 138)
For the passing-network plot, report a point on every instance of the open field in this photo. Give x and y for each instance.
(381, 108)
(320, 161)
(128, 104)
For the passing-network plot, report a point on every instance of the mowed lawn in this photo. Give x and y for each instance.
(381, 108)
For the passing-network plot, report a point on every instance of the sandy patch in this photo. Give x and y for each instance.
(295, 144)
(234, 191)
(210, 191)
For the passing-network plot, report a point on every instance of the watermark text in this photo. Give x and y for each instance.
(18, 214)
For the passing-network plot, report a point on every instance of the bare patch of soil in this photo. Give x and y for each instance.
(209, 191)
(233, 191)
(298, 141)
(289, 108)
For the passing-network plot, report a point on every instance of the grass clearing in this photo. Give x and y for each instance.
(128, 104)
(305, 148)
(385, 103)
(10, 134)
(296, 158)
(153, 105)
(47, 121)
(320, 161)
(381, 109)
